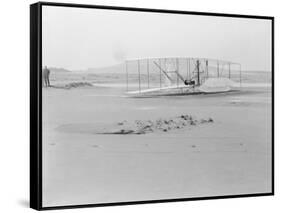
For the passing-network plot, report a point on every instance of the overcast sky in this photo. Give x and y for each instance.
(80, 38)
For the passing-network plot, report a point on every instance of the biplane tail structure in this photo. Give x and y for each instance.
(179, 75)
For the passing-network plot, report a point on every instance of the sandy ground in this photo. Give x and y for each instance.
(231, 155)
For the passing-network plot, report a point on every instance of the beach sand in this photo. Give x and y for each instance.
(229, 156)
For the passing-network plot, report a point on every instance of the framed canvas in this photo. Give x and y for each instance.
(134, 105)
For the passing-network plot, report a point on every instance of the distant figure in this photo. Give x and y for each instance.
(46, 74)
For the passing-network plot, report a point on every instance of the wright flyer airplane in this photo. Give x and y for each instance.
(181, 76)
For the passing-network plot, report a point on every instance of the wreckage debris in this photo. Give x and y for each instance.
(139, 127)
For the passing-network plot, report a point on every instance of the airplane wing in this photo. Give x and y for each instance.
(158, 89)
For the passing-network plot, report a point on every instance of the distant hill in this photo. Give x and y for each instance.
(58, 70)
(118, 68)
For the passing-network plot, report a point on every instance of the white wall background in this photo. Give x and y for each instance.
(14, 106)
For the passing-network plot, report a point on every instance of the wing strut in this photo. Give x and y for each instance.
(163, 71)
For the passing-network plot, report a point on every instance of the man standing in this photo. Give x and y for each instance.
(45, 75)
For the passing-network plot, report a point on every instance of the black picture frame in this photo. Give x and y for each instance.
(36, 102)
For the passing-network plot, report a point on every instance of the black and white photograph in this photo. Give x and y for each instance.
(151, 106)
